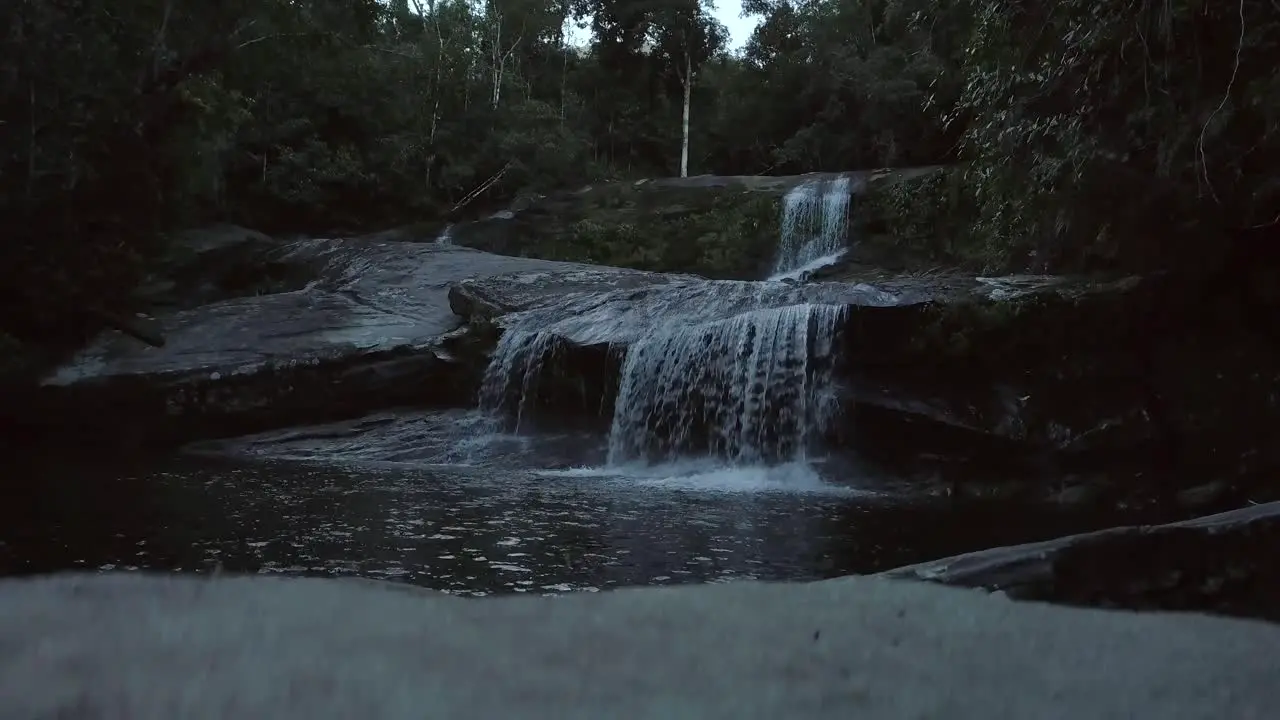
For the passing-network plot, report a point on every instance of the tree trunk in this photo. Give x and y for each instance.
(497, 63)
(684, 143)
(562, 43)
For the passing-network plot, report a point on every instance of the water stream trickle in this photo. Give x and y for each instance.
(512, 378)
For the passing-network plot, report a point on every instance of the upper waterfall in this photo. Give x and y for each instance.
(814, 228)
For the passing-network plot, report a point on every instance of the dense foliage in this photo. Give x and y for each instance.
(1088, 132)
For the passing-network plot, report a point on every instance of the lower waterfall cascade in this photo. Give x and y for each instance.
(753, 388)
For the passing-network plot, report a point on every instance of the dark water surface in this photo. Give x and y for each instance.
(477, 530)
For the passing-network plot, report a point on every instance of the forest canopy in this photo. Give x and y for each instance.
(1087, 133)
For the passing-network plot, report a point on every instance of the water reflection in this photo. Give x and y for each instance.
(469, 530)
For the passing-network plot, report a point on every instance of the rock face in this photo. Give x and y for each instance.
(613, 306)
(602, 308)
(161, 647)
(1223, 563)
(359, 327)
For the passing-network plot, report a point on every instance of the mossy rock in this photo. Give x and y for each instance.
(922, 221)
(719, 227)
(722, 231)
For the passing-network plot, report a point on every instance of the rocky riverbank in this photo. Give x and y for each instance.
(1042, 381)
(1038, 389)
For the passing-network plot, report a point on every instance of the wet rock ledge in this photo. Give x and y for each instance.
(1228, 563)
(263, 333)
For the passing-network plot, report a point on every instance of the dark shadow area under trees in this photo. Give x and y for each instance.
(1089, 135)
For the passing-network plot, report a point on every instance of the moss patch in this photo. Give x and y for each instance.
(921, 221)
(727, 231)
(961, 330)
(727, 234)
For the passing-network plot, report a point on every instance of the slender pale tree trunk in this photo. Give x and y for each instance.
(498, 61)
(684, 143)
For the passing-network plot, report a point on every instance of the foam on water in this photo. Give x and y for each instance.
(815, 218)
(705, 475)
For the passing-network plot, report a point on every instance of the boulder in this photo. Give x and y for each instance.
(366, 330)
(1223, 563)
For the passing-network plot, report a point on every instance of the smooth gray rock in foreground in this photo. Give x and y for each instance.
(137, 646)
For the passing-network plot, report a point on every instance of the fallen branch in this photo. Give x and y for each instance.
(483, 187)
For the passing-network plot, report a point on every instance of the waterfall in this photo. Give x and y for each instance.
(814, 220)
(515, 372)
(752, 388)
(738, 371)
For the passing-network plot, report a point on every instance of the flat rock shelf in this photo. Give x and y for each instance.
(142, 647)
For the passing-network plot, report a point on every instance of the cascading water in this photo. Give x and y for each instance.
(512, 378)
(749, 389)
(814, 221)
(737, 371)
